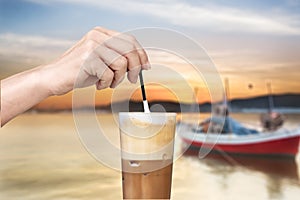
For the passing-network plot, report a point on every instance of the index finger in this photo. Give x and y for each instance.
(144, 60)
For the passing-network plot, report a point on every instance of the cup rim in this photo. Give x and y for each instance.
(169, 114)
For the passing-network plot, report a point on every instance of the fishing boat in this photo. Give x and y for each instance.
(221, 133)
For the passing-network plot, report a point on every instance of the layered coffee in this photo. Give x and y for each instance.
(147, 144)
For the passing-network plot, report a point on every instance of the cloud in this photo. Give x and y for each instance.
(20, 52)
(31, 47)
(209, 16)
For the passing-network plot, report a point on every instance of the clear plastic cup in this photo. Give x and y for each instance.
(147, 148)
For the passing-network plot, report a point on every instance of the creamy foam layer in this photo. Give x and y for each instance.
(141, 140)
(146, 118)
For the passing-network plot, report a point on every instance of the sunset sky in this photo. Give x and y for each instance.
(250, 42)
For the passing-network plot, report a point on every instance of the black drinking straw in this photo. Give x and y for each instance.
(145, 102)
(142, 86)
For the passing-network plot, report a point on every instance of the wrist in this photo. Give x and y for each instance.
(42, 80)
(55, 79)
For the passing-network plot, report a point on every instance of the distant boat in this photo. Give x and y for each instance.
(277, 143)
(234, 138)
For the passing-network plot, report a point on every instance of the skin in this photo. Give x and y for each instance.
(102, 57)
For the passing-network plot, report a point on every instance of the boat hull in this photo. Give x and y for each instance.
(286, 145)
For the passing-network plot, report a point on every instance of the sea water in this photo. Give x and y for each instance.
(41, 157)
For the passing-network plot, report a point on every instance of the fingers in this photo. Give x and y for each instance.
(130, 48)
(131, 39)
(141, 52)
(115, 61)
(129, 51)
(102, 74)
(121, 53)
(106, 79)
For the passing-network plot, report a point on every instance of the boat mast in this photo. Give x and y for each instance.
(227, 102)
(270, 97)
(226, 97)
(195, 106)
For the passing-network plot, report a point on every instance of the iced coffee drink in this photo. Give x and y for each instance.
(147, 144)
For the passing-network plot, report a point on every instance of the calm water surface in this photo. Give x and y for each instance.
(41, 157)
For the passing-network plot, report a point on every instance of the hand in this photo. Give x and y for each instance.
(101, 57)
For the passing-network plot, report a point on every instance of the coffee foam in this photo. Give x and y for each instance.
(144, 125)
(164, 153)
(142, 140)
(146, 118)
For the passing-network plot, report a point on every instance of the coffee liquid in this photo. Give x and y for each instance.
(148, 185)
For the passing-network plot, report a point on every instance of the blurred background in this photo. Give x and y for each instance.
(250, 42)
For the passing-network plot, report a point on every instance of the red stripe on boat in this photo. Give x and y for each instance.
(282, 146)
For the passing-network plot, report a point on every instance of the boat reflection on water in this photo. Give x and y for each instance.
(277, 171)
(285, 167)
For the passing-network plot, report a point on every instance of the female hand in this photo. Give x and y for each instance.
(101, 57)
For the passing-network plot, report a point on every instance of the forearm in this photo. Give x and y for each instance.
(21, 92)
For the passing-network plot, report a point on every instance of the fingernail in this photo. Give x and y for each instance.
(147, 66)
(135, 80)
